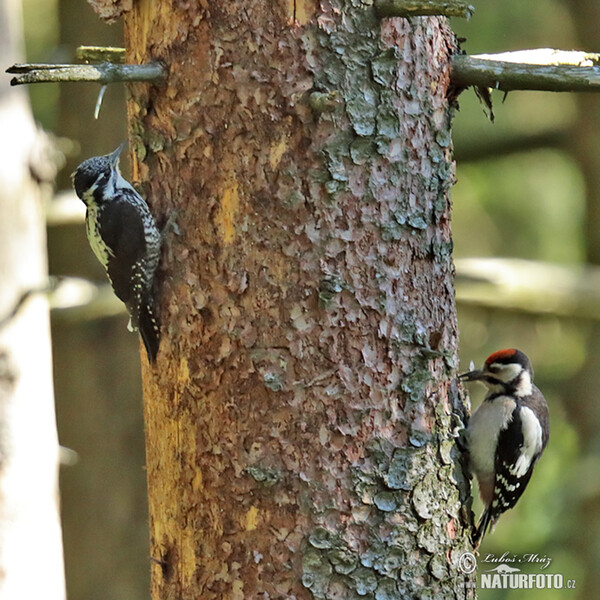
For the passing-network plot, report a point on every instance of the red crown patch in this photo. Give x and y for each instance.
(501, 355)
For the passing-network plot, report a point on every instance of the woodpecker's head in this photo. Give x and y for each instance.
(96, 172)
(505, 371)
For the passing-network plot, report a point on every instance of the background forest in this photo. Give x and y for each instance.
(528, 189)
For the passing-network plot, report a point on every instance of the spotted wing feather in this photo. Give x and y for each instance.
(125, 230)
(122, 231)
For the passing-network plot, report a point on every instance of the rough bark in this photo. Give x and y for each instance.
(30, 538)
(297, 417)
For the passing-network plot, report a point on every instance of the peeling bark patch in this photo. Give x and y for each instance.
(304, 11)
(406, 468)
(227, 212)
(187, 544)
(277, 151)
(252, 518)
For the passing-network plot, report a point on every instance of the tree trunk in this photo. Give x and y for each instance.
(297, 418)
(30, 538)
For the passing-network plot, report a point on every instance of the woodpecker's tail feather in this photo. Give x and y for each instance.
(485, 522)
(149, 327)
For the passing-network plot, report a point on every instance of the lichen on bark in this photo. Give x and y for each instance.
(298, 417)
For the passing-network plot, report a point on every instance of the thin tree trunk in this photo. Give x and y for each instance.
(297, 417)
(30, 538)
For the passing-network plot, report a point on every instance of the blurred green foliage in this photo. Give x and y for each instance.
(527, 204)
(41, 45)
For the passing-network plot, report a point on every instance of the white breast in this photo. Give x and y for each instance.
(483, 431)
(101, 250)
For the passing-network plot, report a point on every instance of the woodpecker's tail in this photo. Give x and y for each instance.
(149, 327)
(485, 522)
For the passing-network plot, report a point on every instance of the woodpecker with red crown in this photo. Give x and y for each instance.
(506, 435)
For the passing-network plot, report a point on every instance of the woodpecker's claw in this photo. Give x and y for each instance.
(459, 433)
(459, 424)
(171, 225)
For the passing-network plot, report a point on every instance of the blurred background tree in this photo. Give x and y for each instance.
(528, 187)
(30, 532)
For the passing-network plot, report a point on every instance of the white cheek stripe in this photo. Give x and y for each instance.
(525, 387)
(101, 250)
(532, 441)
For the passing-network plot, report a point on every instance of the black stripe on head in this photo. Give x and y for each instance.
(95, 170)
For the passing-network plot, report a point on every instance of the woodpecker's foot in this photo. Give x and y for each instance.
(171, 225)
(459, 433)
(459, 426)
(475, 540)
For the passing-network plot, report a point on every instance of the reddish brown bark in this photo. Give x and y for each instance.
(297, 417)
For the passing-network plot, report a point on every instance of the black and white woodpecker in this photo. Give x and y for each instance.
(506, 435)
(124, 237)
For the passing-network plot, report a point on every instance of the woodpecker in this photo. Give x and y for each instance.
(506, 435)
(124, 237)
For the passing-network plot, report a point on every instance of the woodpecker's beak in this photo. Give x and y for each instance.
(114, 156)
(472, 375)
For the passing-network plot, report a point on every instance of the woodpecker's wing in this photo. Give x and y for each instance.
(508, 485)
(122, 228)
(519, 447)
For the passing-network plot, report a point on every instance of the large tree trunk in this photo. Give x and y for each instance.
(298, 414)
(30, 538)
